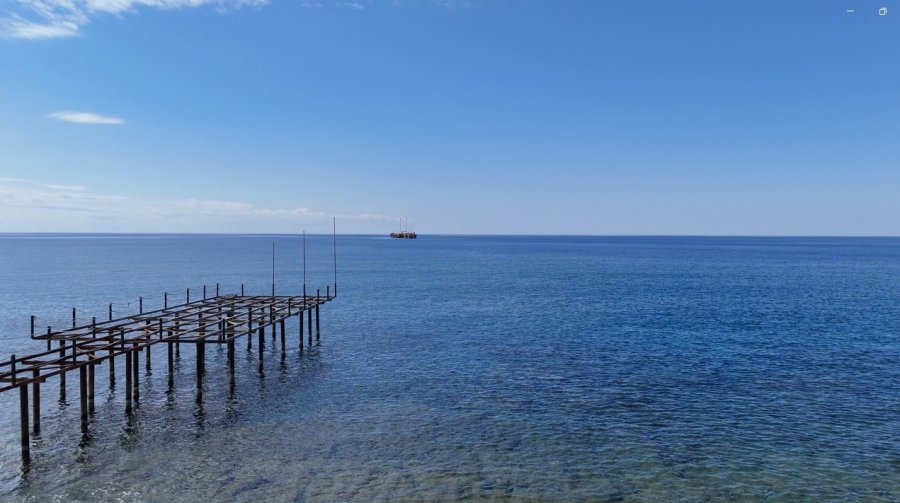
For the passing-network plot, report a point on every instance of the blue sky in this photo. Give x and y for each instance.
(495, 116)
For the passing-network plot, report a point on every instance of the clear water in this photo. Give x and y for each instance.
(506, 368)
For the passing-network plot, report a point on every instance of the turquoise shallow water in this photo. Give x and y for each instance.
(508, 368)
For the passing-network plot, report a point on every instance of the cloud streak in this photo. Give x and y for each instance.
(30, 206)
(85, 118)
(47, 19)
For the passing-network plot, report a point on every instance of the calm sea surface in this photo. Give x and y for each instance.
(505, 368)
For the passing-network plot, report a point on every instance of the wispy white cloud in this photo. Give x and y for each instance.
(47, 19)
(34, 206)
(42, 19)
(85, 118)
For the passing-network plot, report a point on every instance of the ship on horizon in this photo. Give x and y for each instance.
(404, 231)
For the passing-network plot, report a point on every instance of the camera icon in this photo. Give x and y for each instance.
(882, 11)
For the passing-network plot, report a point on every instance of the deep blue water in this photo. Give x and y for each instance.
(519, 368)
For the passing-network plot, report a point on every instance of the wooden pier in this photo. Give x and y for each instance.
(220, 319)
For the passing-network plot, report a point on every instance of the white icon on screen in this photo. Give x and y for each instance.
(882, 11)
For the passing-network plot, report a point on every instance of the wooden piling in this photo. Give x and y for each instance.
(62, 375)
(83, 399)
(300, 318)
(317, 322)
(147, 364)
(282, 336)
(90, 372)
(36, 402)
(262, 345)
(171, 364)
(128, 387)
(23, 414)
(112, 368)
(309, 326)
(135, 373)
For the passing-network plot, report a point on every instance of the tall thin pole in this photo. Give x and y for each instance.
(304, 263)
(334, 250)
(273, 268)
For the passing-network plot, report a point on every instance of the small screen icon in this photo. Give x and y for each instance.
(882, 11)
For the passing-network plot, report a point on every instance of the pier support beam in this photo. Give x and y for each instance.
(23, 413)
(90, 383)
(83, 399)
(148, 359)
(127, 381)
(262, 345)
(171, 361)
(309, 326)
(317, 322)
(201, 363)
(36, 403)
(135, 373)
(62, 375)
(112, 368)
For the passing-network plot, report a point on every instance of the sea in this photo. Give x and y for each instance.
(500, 368)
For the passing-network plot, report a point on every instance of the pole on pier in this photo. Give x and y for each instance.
(128, 386)
(110, 311)
(217, 289)
(73, 317)
(304, 266)
(82, 374)
(204, 292)
(135, 372)
(201, 361)
(273, 268)
(188, 296)
(23, 413)
(147, 359)
(90, 372)
(171, 364)
(140, 305)
(249, 328)
(334, 250)
(309, 326)
(112, 368)
(282, 336)
(262, 336)
(300, 317)
(230, 356)
(165, 300)
(36, 404)
(177, 339)
(317, 314)
(242, 289)
(62, 374)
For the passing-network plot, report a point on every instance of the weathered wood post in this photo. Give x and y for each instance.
(112, 365)
(317, 314)
(90, 372)
(135, 372)
(171, 364)
(262, 344)
(300, 318)
(83, 399)
(36, 403)
(309, 322)
(128, 388)
(282, 337)
(62, 373)
(23, 414)
(249, 328)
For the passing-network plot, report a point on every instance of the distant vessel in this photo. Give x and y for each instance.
(404, 233)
